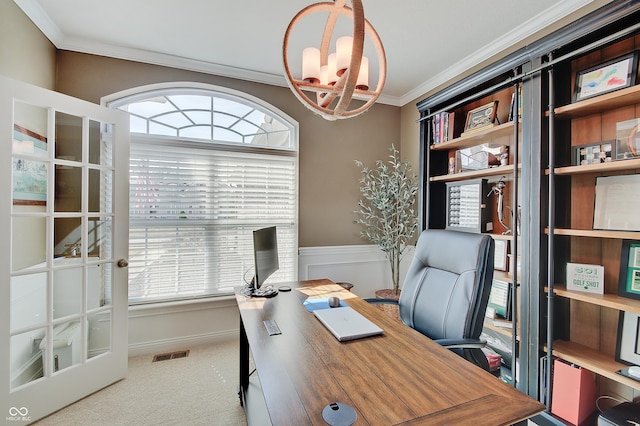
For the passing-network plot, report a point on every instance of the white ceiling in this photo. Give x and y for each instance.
(427, 42)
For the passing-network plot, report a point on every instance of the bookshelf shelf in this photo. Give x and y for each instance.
(480, 137)
(607, 300)
(492, 171)
(607, 102)
(592, 360)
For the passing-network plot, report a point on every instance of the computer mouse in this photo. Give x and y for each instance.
(634, 371)
(334, 302)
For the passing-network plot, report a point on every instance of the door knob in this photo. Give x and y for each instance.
(123, 263)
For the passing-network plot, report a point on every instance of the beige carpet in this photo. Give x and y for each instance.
(200, 389)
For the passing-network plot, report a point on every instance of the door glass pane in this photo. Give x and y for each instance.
(30, 130)
(29, 182)
(67, 345)
(67, 288)
(67, 237)
(99, 339)
(100, 144)
(96, 286)
(28, 300)
(99, 238)
(68, 188)
(26, 357)
(68, 137)
(100, 184)
(28, 236)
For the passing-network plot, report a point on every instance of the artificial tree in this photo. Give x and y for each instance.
(387, 208)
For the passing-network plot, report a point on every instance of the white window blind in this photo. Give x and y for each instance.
(193, 208)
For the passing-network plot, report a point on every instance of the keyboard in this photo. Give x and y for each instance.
(272, 327)
(267, 291)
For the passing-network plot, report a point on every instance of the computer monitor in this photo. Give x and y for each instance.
(265, 254)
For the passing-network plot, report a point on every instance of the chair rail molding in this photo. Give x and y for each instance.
(364, 266)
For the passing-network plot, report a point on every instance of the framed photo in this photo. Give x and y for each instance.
(601, 152)
(466, 206)
(29, 175)
(500, 255)
(628, 342)
(607, 77)
(628, 139)
(629, 278)
(616, 204)
(481, 118)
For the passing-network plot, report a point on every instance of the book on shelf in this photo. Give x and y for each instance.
(443, 126)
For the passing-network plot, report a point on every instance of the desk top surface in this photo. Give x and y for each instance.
(400, 377)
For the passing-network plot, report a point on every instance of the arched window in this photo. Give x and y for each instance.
(208, 166)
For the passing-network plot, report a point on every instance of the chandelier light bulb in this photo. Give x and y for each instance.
(311, 65)
(344, 46)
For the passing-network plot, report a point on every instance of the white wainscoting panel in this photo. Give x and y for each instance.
(364, 266)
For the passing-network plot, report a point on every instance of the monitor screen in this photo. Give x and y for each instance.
(265, 254)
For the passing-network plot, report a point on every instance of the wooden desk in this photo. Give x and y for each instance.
(401, 377)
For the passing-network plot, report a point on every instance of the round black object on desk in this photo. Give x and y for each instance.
(339, 414)
(284, 288)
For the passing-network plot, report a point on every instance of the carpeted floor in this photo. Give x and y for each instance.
(200, 389)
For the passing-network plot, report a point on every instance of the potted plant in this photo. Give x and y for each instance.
(387, 208)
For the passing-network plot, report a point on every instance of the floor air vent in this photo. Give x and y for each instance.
(171, 355)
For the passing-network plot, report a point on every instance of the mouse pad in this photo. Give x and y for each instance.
(313, 304)
(625, 372)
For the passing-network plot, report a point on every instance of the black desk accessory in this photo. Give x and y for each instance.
(339, 414)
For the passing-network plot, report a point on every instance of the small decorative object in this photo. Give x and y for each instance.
(452, 165)
(617, 206)
(498, 189)
(607, 77)
(466, 209)
(629, 278)
(504, 155)
(480, 157)
(387, 210)
(627, 342)
(628, 139)
(481, 118)
(586, 278)
(601, 152)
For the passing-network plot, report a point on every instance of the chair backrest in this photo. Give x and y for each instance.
(446, 290)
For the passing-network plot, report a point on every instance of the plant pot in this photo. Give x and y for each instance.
(391, 310)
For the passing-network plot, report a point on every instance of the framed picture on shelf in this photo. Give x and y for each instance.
(627, 343)
(606, 77)
(481, 118)
(629, 278)
(617, 205)
(500, 255)
(601, 152)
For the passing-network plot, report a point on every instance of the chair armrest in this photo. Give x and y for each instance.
(376, 301)
(461, 343)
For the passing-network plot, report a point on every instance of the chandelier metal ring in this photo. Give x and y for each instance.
(344, 90)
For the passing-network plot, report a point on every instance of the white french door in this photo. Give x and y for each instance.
(63, 249)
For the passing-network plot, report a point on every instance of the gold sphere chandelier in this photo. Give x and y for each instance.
(337, 78)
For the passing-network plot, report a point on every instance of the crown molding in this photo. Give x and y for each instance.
(494, 49)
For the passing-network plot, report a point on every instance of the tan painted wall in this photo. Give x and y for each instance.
(25, 53)
(329, 188)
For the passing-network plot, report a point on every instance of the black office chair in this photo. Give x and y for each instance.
(446, 290)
